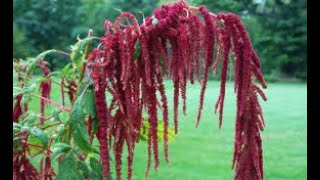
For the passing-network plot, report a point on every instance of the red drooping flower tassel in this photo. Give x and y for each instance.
(17, 110)
(45, 89)
(209, 49)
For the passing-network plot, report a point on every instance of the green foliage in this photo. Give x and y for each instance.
(78, 126)
(78, 49)
(19, 39)
(46, 25)
(68, 168)
(145, 6)
(279, 47)
(59, 148)
(96, 167)
(39, 134)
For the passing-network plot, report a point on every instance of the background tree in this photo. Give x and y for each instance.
(283, 41)
(277, 27)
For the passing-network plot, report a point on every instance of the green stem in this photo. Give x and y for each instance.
(53, 102)
(85, 56)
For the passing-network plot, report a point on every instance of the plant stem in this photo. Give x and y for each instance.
(51, 125)
(85, 56)
(62, 52)
(53, 102)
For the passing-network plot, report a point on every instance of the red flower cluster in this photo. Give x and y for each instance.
(22, 168)
(17, 110)
(248, 147)
(45, 88)
(172, 42)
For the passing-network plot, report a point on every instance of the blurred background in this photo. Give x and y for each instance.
(277, 27)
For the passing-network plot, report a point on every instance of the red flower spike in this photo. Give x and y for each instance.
(225, 45)
(145, 54)
(209, 49)
(45, 89)
(17, 110)
(133, 82)
(62, 85)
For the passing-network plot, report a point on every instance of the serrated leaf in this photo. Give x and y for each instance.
(25, 90)
(56, 114)
(59, 148)
(64, 71)
(87, 97)
(39, 134)
(84, 168)
(96, 165)
(78, 49)
(95, 125)
(16, 127)
(68, 169)
(17, 91)
(78, 126)
(29, 119)
(62, 135)
(89, 103)
(17, 140)
(34, 61)
(25, 99)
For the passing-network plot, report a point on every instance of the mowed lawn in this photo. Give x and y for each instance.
(205, 153)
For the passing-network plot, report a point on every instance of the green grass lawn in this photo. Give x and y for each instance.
(205, 153)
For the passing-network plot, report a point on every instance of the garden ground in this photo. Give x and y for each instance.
(205, 153)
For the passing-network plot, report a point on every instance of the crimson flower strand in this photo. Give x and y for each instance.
(128, 70)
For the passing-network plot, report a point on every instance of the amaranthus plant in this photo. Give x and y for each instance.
(110, 86)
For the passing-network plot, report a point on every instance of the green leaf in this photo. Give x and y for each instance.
(17, 91)
(160, 131)
(77, 50)
(56, 114)
(89, 103)
(25, 99)
(84, 168)
(96, 165)
(16, 127)
(68, 168)
(33, 61)
(78, 126)
(39, 134)
(138, 50)
(62, 133)
(95, 125)
(66, 69)
(87, 97)
(60, 148)
(29, 119)
(25, 90)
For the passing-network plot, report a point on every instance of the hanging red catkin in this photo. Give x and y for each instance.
(101, 107)
(183, 60)
(17, 110)
(249, 159)
(247, 156)
(176, 83)
(209, 49)
(72, 89)
(45, 89)
(225, 45)
(145, 54)
(62, 85)
(134, 79)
